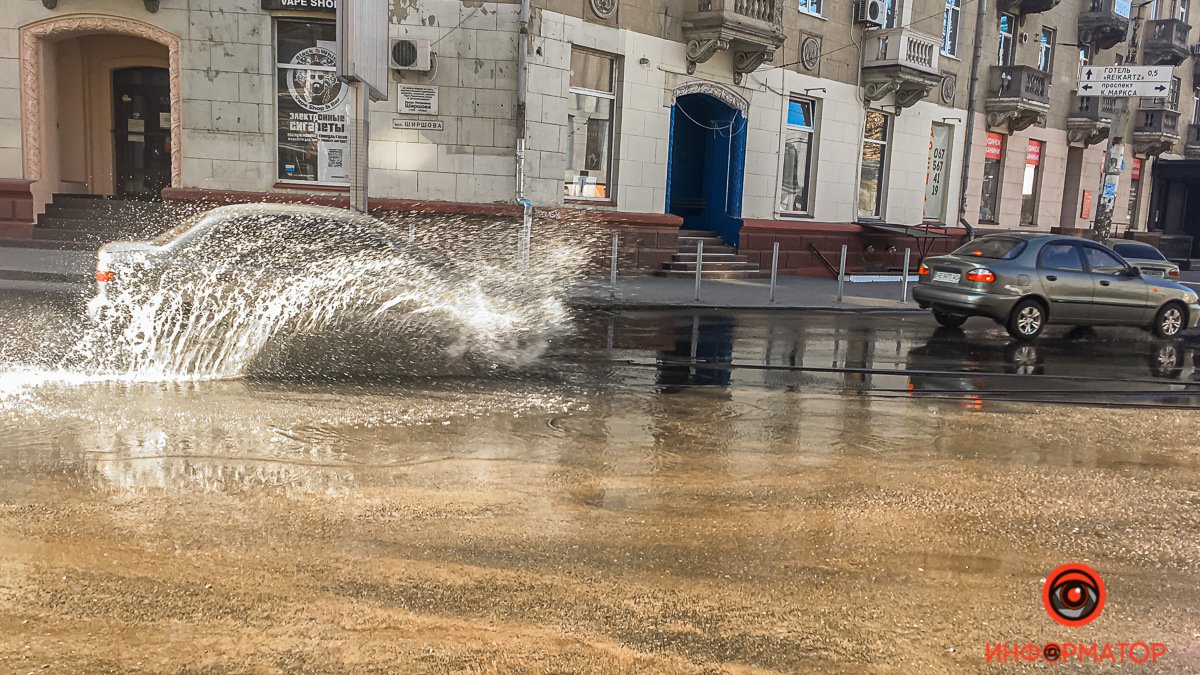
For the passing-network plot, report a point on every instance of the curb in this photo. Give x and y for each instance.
(628, 306)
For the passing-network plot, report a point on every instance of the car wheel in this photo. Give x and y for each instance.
(1167, 361)
(1027, 320)
(1170, 320)
(949, 320)
(1023, 359)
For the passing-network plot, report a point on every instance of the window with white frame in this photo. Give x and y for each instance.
(811, 7)
(1004, 54)
(950, 19)
(590, 133)
(1046, 49)
(872, 177)
(891, 13)
(799, 136)
(1181, 10)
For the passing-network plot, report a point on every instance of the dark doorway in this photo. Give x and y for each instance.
(141, 132)
(707, 166)
(1175, 209)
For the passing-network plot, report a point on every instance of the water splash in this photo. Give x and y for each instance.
(299, 291)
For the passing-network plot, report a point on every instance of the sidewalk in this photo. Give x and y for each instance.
(792, 293)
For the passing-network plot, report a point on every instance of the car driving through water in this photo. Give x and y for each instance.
(1026, 281)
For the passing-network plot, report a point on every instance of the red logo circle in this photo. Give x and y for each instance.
(1074, 595)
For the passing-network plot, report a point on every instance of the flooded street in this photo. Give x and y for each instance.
(659, 492)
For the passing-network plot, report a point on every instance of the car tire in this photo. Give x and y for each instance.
(1166, 361)
(949, 320)
(1027, 320)
(1170, 320)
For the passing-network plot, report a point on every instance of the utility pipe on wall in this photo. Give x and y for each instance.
(522, 96)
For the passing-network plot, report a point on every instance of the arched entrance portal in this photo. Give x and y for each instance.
(707, 164)
(100, 107)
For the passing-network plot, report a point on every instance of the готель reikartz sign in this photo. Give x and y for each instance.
(327, 6)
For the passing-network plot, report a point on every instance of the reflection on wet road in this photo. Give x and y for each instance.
(662, 493)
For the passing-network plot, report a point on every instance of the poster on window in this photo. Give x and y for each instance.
(314, 107)
(936, 173)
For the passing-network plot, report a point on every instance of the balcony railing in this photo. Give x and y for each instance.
(1101, 25)
(1020, 82)
(1028, 6)
(1160, 122)
(768, 11)
(1166, 42)
(1097, 108)
(903, 47)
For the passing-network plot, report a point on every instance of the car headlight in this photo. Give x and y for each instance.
(1189, 299)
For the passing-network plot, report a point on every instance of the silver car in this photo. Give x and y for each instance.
(1025, 281)
(1145, 257)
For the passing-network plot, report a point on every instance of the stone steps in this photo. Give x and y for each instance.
(721, 261)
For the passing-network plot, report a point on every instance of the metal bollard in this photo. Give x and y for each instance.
(699, 264)
(904, 276)
(842, 274)
(612, 272)
(774, 269)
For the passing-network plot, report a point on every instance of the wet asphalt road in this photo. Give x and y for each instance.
(662, 492)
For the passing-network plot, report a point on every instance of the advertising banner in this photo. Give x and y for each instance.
(314, 132)
(995, 146)
(936, 172)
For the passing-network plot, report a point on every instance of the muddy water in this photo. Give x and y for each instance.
(607, 512)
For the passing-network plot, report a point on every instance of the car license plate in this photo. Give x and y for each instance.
(947, 277)
(1154, 273)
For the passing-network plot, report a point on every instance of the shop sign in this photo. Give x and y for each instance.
(995, 146)
(324, 6)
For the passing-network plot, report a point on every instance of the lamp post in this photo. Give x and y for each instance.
(1115, 156)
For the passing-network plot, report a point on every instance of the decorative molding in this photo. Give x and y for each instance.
(1087, 136)
(1152, 148)
(721, 93)
(35, 36)
(699, 51)
(748, 61)
(150, 5)
(605, 9)
(907, 97)
(948, 87)
(1015, 120)
(876, 90)
(810, 52)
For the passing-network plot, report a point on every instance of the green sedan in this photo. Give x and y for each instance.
(1026, 281)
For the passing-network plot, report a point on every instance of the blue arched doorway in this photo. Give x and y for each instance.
(707, 165)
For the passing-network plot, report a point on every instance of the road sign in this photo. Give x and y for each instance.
(1124, 89)
(1125, 74)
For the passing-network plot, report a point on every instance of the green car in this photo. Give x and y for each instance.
(1148, 259)
(1026, 281)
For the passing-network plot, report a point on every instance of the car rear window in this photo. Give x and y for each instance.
(997, 248)
(1141, 251)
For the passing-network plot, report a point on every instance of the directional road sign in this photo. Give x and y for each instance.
(1124, 89)
(1124, 81)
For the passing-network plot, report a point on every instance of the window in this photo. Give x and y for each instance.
(811, 7)
(1139, 252)
(1046, 50)
(1181, 10)
(891, 11)
(993, 163)
(795, 189)
(1031, 183)
(1196, 106)
(1004, 55)
(313, 140)
(1102, 261)
(1135, 187)
(1173, 94)
(1085, 56)
(871, 182)
(1060, 256)
(994, 247)
(590, 126)
(950, 18)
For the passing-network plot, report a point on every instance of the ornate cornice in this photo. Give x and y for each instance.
(33, 38)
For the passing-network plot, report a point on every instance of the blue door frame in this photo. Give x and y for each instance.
(706, 165)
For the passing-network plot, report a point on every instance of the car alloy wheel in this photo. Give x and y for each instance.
(1170, 321)
(1029, 321)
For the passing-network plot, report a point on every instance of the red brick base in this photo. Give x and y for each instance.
(16, 209)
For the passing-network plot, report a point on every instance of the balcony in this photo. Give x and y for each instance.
(1191, 150)
(752, 29)
(1090, 118)
(1166, 42)
(1155, 129)
(1027, 6)
(1018, 97)
(1101, 26)
(900, 61)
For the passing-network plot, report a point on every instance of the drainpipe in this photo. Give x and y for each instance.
(522, 96)
(969, 140)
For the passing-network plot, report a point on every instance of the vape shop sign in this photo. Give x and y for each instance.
(314, 133)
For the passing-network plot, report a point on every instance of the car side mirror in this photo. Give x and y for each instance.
(1132, 272)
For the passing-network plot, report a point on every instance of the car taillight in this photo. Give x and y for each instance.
(923, 269)
(981, 275)
(104, 277)
(1173, 272)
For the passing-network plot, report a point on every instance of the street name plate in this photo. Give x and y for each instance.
(1125, 74)
(1124, 89)
(419, 125)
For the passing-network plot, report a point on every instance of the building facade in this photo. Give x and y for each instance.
(807, 122)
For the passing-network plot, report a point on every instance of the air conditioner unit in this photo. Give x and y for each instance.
(869, 12)
(409, 54)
